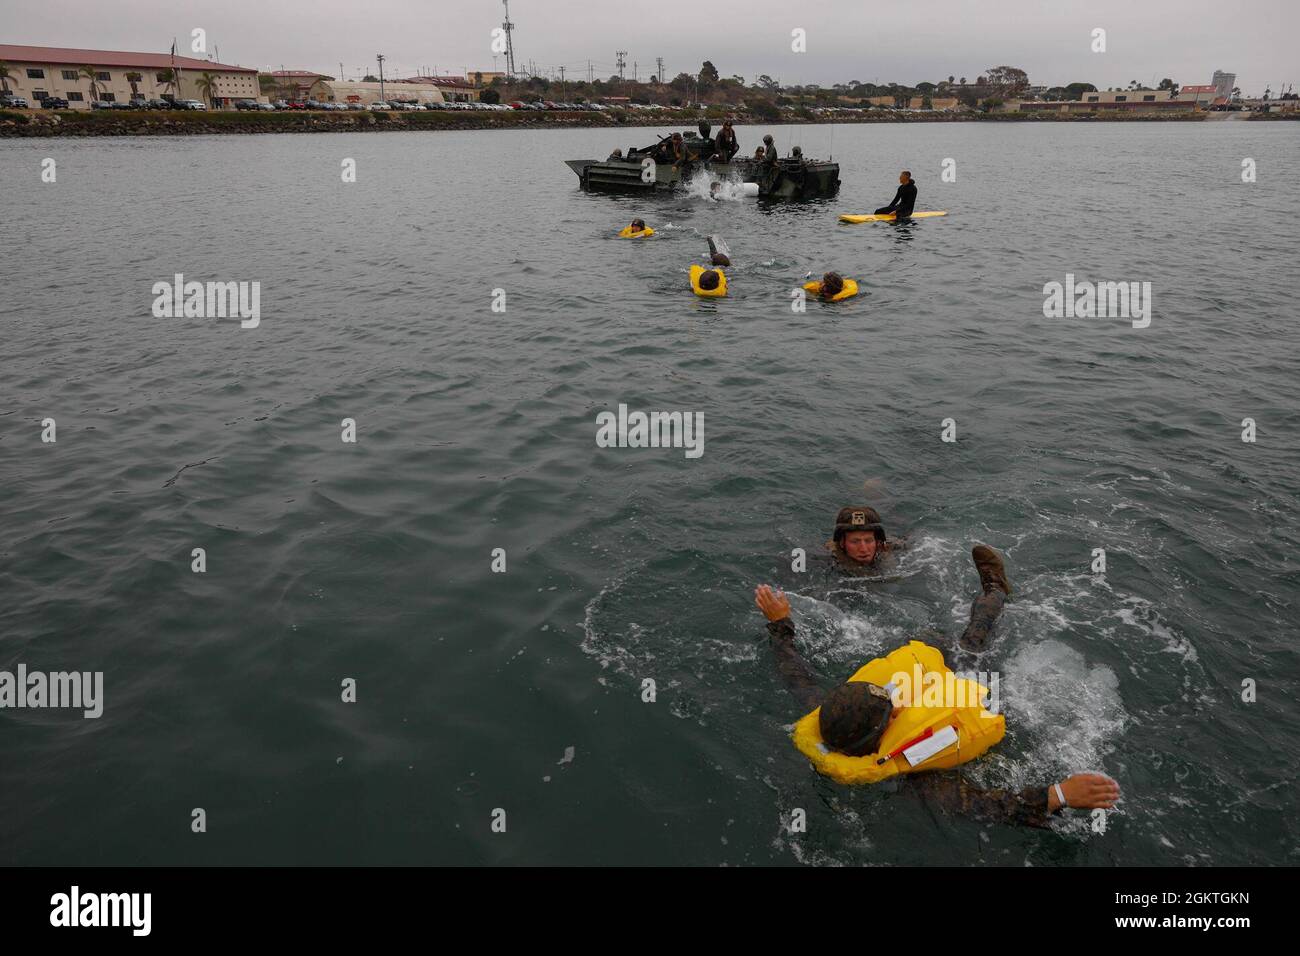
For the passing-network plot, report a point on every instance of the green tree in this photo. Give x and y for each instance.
(489, 96)
(1008, 79)
(134, 78)
(708, 75)
(4, 76)
(89, 73)
(207, 86)
(1170, 85)
(1075, 91)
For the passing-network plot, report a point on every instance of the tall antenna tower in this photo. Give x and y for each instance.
(510, 43)
(660, 60)
(621, 58)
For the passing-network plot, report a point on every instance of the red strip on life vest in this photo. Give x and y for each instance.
(929, 732)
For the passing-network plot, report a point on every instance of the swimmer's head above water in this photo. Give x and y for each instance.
(859, 534)
(854, 717)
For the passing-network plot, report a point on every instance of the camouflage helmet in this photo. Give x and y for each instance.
(854, 717)
(858, 518)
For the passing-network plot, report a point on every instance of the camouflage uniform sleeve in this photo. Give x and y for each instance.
(794, 669)
(951, 793)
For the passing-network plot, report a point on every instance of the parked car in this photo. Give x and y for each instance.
(245, 104)
(265, 108)
(156, 105)
(280, 105)
(100, 105)
(191, 105)
(11, 102)
(295, 105)
(356, 106)
(54, 103)
(381, 106)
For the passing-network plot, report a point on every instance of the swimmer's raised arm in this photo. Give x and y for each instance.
(794, 669)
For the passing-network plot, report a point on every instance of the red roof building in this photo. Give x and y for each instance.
(83, 77)
(57, 56)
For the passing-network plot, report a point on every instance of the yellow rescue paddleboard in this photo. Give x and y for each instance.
(890, 217)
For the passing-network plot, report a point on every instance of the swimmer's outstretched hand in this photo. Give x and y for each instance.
(774, 604)
(1085, 791)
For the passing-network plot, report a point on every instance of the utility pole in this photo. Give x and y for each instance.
(510, 43)
(590, 74)
(561, 83)
(660, 61)
(380, 57)
(620, 57)
(634, 79)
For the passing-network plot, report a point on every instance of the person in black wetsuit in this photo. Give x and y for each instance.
(904, 199)
(855, 715)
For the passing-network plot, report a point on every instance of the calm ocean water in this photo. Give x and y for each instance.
(476, 431)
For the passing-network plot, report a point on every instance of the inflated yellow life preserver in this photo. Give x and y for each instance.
(721, 290)
(627, 233)
(849, 291)
(977, 728)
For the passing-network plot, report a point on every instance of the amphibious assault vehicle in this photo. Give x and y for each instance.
(651, 168)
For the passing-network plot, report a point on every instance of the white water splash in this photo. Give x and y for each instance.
(701, 186)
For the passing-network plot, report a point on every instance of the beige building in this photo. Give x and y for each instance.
(83, 76)
(366, 92)
(301, 85)
(916, 102)
(1126, 96)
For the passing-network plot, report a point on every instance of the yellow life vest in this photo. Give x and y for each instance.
(977, 728)
(721, 290)
(849, 291)
(627, 233)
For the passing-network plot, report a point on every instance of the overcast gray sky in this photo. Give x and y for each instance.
(847, 39)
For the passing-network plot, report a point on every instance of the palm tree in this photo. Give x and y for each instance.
(133, 79)
(89, 73)
(207, 85)
(167, 77)
(4, 75)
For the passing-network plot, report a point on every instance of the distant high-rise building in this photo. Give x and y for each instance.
(1224, 82)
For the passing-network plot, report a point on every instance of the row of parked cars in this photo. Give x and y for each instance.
(10, 101)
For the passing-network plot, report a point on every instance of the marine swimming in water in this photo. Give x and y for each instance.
(854, 720)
